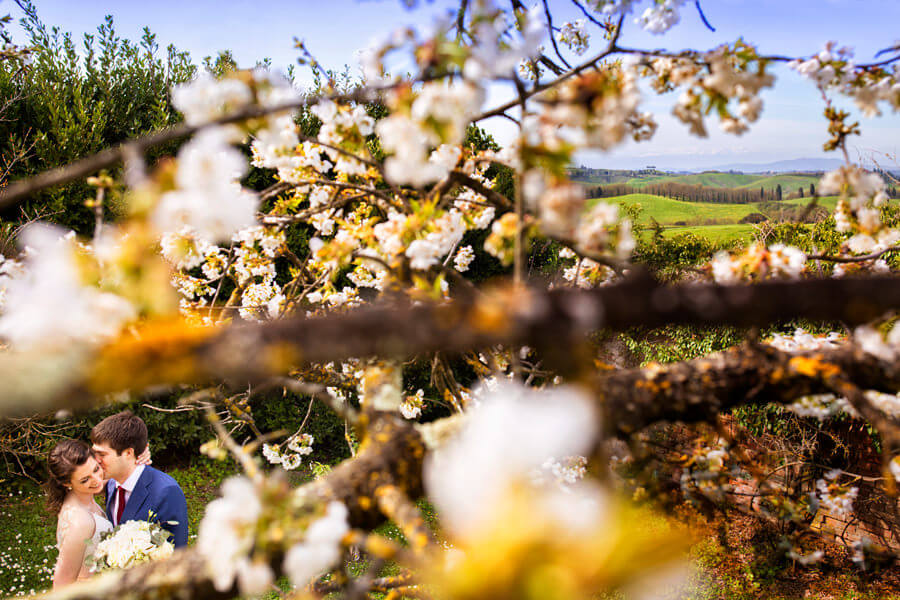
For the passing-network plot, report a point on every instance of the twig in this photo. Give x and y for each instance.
(852, 259)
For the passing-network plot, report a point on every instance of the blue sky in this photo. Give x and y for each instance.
(792, 125)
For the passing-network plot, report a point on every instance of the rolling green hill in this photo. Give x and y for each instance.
(788, 182)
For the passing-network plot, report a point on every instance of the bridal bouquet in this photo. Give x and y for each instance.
(131, 543)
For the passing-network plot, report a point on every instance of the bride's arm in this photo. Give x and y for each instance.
(78, 530)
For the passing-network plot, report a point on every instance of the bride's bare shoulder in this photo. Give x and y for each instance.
(74, 520)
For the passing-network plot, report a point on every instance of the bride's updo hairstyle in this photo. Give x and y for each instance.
(65, 457)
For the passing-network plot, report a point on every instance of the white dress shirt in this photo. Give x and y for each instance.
(129, 487)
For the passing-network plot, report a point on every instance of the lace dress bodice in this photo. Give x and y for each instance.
(102, 525)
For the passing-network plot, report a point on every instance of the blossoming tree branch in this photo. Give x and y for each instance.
(357, 259)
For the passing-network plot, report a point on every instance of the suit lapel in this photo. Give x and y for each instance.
(133, 508)
(109, 487)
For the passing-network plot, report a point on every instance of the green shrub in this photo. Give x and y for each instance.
(66, 103)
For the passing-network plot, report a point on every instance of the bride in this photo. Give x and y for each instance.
(75, 478)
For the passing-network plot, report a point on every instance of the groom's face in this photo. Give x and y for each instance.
(114, 465)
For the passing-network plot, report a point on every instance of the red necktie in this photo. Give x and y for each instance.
(120, 505)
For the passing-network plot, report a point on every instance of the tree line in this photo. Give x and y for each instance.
(715, 195)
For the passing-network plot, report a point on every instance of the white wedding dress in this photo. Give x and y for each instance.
(101, 525)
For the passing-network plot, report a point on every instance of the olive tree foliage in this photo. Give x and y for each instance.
(357, 259)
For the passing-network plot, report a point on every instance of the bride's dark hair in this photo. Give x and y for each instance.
(65, 457)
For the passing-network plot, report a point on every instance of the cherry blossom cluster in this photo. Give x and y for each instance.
(710, 470)
(758, 262)
(834, 68)
(874, 342)
(834, 497)
(236, 535)
(565, 471)
(50, 297)
(861, 195)
(598, 109)
(658, 17)
(821, 406)
(290, 454)
(587, 273)
(422, 134)
(803, 341)
(501, 42)
(412, 406)
(507, 437)
(250, 264)
(710, 81)
(575, 36)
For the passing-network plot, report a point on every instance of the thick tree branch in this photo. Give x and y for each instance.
(555, 323)
(701, 389)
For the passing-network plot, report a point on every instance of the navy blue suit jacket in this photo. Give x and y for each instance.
(158, 493)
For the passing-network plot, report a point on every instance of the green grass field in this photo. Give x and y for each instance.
(668, 211)
(714, 233)
(828, 202)
(691, 216)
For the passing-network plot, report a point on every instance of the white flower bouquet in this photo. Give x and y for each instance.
(131, 543)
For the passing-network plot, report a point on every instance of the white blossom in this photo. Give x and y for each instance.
(496, 54)
(834, 498)
(411, 407)
(872, 342)
(208, 199)
(320, 549)
(47, 303)
(301, 444)
(802, 341)
(446, 232)
(225, 535)
(575, 35)
(661, 15)
(513, 431)
(205, 98)
(464, 257)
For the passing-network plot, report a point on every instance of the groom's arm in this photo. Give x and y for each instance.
(173, 507)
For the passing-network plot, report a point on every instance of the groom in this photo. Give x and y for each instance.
(135, 491)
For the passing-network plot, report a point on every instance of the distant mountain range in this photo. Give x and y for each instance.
(779, 166)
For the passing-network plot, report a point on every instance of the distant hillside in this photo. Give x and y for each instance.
(783, 166)
(607, 176)
(788, 182)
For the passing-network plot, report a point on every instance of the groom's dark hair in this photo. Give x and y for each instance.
(121, 431)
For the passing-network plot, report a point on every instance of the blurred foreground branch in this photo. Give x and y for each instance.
(555, 323)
